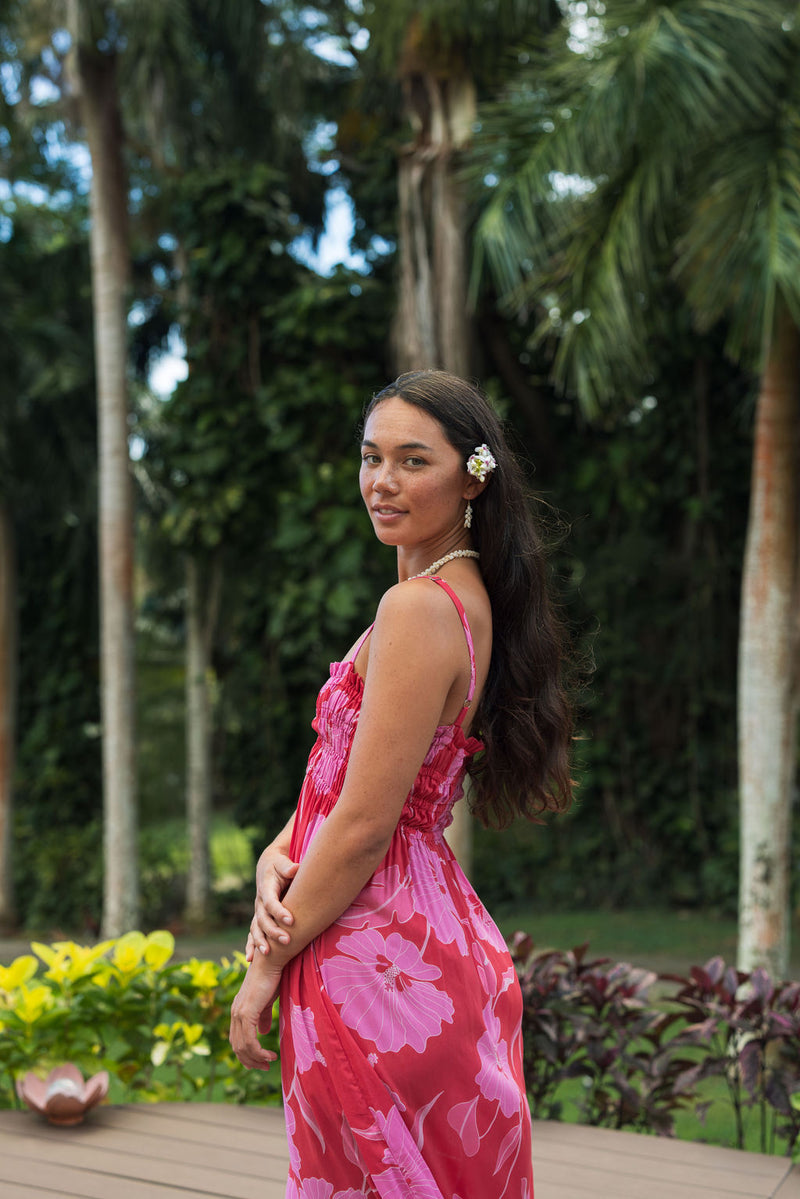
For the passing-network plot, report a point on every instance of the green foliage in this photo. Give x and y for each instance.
(268, 480)
(251, 465)
(670, 141)
(649, 580)
(447, 34)
(48, 479)
(159, 1028)
(59, 871)
(639, 1062)
(592, 1020)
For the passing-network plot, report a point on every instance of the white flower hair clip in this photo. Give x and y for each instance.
(481, 463)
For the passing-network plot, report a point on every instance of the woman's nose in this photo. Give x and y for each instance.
(384, 479)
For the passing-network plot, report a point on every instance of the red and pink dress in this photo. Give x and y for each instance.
(401, 1053)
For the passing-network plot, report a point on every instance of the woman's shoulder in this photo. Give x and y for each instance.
(425, 610)
(413, 600)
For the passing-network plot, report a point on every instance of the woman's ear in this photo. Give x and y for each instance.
(474, 487)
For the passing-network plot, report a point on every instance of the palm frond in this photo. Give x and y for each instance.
(682, 121)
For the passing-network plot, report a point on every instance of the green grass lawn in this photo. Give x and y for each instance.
(665, 941)
(717, 1128)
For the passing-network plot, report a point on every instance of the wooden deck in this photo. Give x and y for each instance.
(169, 1150)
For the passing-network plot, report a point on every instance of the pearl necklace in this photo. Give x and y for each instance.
(434, 566)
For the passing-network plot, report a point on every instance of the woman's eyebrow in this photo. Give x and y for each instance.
(406, 445)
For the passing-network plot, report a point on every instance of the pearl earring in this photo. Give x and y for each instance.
(468, 516)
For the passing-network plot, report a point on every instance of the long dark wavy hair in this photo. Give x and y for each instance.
(524, 718)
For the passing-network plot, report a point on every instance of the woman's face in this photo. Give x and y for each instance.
(413, 481)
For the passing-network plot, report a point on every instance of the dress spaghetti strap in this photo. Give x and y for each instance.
(361, 641)
(470, 645)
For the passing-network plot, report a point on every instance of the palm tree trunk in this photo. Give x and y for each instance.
(199, 635)
(110, 257)
(431, 328)
(8, 706)
(767, 662)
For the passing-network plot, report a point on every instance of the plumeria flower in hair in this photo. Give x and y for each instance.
(481, 463)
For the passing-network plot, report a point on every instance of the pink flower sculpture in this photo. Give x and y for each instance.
(63, 1097)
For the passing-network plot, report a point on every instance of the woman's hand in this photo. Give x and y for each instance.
(271, 920)
(251, 1014)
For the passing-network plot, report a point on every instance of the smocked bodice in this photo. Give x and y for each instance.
(439, 782)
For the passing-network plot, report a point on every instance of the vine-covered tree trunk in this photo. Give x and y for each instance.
(97, 87)
(431, 328)
(200, 622)
(768, 692)
(8, 704)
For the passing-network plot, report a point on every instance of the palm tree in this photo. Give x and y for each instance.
(94, 42)
(670, 132)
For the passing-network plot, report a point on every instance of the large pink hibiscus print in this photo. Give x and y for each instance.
(385, 992)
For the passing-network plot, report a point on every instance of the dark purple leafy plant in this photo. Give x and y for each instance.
(590, 1019)
(640, 1062)
(748, 1029)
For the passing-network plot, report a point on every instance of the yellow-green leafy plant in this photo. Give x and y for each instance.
(159, 1027)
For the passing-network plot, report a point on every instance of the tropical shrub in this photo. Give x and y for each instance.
(160, 1028)
(592, 1020)
(639, 1061)
(749, 1031)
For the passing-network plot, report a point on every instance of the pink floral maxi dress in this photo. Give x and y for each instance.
(401, 1053)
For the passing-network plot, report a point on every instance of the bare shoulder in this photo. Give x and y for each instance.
(424, 611)
(419, 620)
(412, 600)
(418, 627)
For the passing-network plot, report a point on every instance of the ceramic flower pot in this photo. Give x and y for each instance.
(63, 1097)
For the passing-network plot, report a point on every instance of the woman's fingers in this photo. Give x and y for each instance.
(248, 1049)
(271, 920)
(263, 931)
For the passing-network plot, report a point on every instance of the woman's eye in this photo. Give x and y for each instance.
(415, 461)
(369, 459)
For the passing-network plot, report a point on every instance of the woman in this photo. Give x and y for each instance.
(400, 1009)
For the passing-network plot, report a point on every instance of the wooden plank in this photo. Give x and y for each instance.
(222, 1151)
(43, 1180)
(213, 1152)
(77, 1152)
(677, 1173)
(634, 1164)
(191, 1135)
(12, 1191)
(635, 1144)
(588, 1178)
(265, 1131)
(790, 1187)
(227, 1115)
(165, 1152)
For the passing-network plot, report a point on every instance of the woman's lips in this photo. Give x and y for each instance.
(386, 513)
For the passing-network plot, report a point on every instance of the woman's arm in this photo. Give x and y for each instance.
(417, 653)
